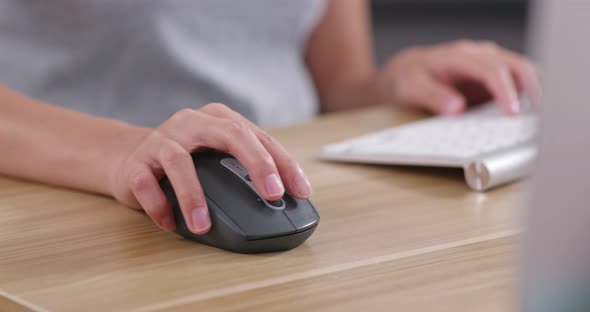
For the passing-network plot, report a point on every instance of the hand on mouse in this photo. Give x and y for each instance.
(446, 78)
(166, 151)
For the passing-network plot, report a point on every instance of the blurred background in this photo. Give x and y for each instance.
(402, 23)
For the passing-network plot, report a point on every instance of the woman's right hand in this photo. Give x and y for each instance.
(166, 150)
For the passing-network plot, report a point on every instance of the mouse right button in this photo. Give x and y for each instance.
(302, 214)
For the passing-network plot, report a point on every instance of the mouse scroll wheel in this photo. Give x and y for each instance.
(275, 203)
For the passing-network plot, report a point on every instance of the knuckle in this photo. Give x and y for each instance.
(500, 69)
(157, 136)
(265, 163)
(139, 181)
(185, 112)
(235, 127)
(190, 199)
(173, 154)
(489, 45)
(267, 139)
(217, 107)
(291, 163)
(261, 163)
(182, 115)
(409, 56)
(494, 69)
(464, 45)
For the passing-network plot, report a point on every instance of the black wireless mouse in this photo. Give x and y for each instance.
(241, 220)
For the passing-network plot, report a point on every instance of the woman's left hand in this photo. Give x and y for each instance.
(446, 78)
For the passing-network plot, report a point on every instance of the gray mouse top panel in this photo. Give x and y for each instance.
(240, 202)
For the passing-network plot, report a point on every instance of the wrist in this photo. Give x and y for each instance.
(125, 139)
(389, 76)
(383, 87)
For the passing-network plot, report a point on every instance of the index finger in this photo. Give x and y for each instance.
(525, 74)
(290, 172)
(495, 76)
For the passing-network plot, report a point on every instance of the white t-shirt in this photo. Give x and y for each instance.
(142, 60)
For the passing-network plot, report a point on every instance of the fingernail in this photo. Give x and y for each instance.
(452, 106)
(200, 219)
(167, 223)
(302, 185)
(273, 185)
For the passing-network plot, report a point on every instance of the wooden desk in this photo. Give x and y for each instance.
(389, 239)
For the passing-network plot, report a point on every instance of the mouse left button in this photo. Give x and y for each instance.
(234, 166)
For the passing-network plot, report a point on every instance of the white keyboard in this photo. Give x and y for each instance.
(491, 147)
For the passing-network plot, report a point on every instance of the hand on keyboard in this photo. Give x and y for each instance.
(446, 78)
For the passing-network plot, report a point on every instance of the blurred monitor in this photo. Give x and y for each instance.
(556, 259)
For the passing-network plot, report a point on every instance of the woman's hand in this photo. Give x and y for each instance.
(166, 151)
(446, 78)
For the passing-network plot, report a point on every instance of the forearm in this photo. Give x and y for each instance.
(352, 94)
(339, 56)
(49, 144)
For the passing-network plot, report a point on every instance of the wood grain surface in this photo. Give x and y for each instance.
(390, 237)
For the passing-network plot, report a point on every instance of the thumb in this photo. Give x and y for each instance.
(435, 96)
